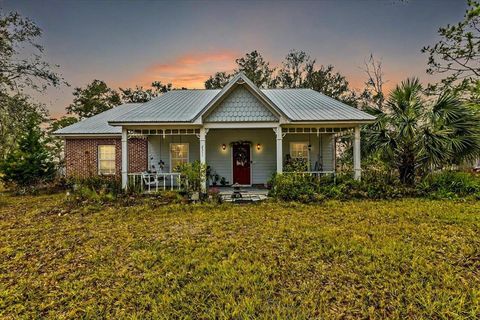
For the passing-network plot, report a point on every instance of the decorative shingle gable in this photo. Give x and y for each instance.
(241, 106)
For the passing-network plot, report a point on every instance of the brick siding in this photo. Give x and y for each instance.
(81, 156)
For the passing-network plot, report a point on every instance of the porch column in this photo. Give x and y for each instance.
(124, 159)
(356, 155)
(279, 150)
(203, 158)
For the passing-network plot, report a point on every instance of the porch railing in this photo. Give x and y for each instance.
(150, 182)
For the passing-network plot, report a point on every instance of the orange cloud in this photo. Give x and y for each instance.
(189, 70)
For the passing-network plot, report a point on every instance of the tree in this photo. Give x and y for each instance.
(330, 83)
(159, 87)
(61, 123)
(373, 92)
(13, 112)
(140, 95)
(21, 67)
(30, 162)
(56, 144)
(95, 98)
(298, 71)
(256, 69)
(18, 69)
(137, 95)
(415, 135)
(294, 69)
(218, 80)
(457, 54)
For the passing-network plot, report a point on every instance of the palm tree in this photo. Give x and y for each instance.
(414, 134)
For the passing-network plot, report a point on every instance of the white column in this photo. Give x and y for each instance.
(356, 155)
(279, 150)
(203, 158)
(124, 158)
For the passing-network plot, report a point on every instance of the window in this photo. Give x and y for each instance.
(106, 159)
(178, 154)
(299, 150)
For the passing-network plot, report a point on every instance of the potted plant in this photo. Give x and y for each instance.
(223, 181)
(215, 178)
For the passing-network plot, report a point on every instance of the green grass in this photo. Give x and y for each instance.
(357, 259)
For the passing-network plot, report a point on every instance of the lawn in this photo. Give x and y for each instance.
(356, 259)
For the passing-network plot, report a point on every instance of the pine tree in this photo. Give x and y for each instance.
(30, 163)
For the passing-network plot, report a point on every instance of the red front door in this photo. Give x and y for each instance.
(241, 163)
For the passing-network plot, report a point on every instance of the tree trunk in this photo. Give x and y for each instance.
(406, 169)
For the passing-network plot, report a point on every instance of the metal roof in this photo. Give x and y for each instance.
(310, 105)
(173, 106)
(184, 106)
(297, 104)
(98, 124)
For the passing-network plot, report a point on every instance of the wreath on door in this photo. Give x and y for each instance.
(241, 158)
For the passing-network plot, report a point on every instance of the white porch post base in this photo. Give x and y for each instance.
(279, 149)
(124, 159)
(356, 155)
(203, 160)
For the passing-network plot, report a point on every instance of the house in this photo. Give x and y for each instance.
(243, 133)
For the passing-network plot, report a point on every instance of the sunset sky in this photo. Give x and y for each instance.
(126, 43)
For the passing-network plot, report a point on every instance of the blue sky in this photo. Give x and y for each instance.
(134, 42)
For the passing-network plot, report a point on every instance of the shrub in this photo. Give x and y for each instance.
(91, 194)
(191, 176)
(294, 187)
(93, 189)
(374, 185)
(214, 196)
(450, 184)
(296, 165)
(97, 183)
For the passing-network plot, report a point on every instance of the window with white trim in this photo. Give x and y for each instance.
(178, 154)
(106, 159)
(299, 150)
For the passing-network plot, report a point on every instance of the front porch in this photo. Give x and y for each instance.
(243, 154)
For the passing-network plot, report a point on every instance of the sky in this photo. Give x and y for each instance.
(128, 43)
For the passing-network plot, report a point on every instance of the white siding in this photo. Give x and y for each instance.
(264, 162)
(324, 143)
(159, 149)
(153, 152)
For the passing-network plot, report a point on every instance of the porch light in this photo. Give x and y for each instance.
(258, 146)
(224, 147)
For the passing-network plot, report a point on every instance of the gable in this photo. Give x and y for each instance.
(241, 106)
